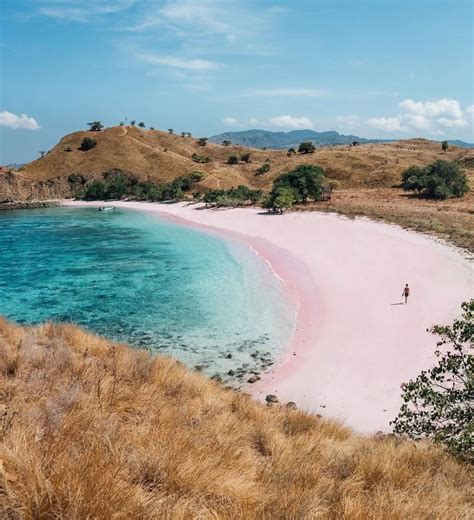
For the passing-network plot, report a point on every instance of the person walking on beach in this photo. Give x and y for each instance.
(406, 293)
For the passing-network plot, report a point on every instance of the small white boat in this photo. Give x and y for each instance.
(106, 208)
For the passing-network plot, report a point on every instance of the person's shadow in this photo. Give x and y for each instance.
(399, 303)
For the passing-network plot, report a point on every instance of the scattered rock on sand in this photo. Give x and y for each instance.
(231, 373)
(254, 379)
(271, 399)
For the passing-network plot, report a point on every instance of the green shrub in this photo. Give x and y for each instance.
(263, 169)
(334, 184)
(95, 191)
(280, 200)
(440, 180)
(438, 404)
(245, 157)
(306, 181)
(200, 158)
(306, 147)
(233, 159)
(87, 144)
(290, 152)
(95, 126)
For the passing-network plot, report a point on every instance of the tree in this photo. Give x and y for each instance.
(87, 144)
(233, 159)
(306, 147)
(170, 130)
(188, 134)
(42, 153)
(355, 143)
(202, 141)
(95, 191)
(440, 180)
(245, 157)
(226, 143)
(290, 152)
(141, 124)
(280, 200)
(132, 122)
(183, 134)
(414, 179)
(306, 181)
(152, 127)
(121, 123)
(95, 126)
(445, 146)
(439, 403)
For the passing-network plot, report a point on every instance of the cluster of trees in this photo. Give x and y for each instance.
(440, 180)
(201, 158)
(264, 168)
(299, 185)
(236, 159)
(438, 404)
(87, 144)
(117, 185)
(238, 196)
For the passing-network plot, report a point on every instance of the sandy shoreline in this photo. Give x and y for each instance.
(354, 344)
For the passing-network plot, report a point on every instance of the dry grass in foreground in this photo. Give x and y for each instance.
(92, 429)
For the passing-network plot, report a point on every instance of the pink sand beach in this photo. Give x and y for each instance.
(355, 341)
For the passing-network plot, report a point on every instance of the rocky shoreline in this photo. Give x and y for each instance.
(30, 204)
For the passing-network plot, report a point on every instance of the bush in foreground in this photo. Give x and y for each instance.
(439, 403)
(87, 144)
(93, 429)
(440, 180)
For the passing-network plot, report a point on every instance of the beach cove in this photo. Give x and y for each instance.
(355, 342)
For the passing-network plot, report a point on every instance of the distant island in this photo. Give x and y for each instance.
(280, 140)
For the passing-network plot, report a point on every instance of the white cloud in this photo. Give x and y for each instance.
(172, 61)
(230, 121)
(449, 108)
(287, 92)
(287, 121)
(351, 121)
(80, 11)
(432, 117)
(253, 121)
(18, 122)
(386, 124)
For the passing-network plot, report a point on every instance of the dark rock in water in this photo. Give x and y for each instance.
(228, 356)
(254, 354)
(271, 399)
(231, 373)
(291, 405)
(199, 367)
(216, 377)
(254, 379)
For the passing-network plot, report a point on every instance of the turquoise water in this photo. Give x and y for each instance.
(140, 279)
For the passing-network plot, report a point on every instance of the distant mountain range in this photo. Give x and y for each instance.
(283, 140)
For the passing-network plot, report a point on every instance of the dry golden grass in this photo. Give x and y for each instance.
(92, 429)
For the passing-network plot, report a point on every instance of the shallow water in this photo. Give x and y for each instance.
(143, 280)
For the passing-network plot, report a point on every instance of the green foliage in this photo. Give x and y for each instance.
(334, 184)
(95, 126)
(306, 147)
(355, 143)
(42, 153)
(440, 180)
(236, 196)
(233, 159)
(445, 146)
(170, 131)
(95, 191)
(87, 144)
(439, 403)
(263, 169)
(245, 157)
(306, 181)
(121, 123)
(282, 199)
(226, 143)
(141, 124)
(290, 152)
(132, 122)
(118, 185)
(152, 127)
(200, 158)
(183, 134)
(202, 141)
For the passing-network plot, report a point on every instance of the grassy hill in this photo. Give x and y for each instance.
(93, 429)
(367, 173)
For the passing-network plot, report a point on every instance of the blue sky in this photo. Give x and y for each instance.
(378, 68)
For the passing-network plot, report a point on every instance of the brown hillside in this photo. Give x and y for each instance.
(158, 156)
(92, 429)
